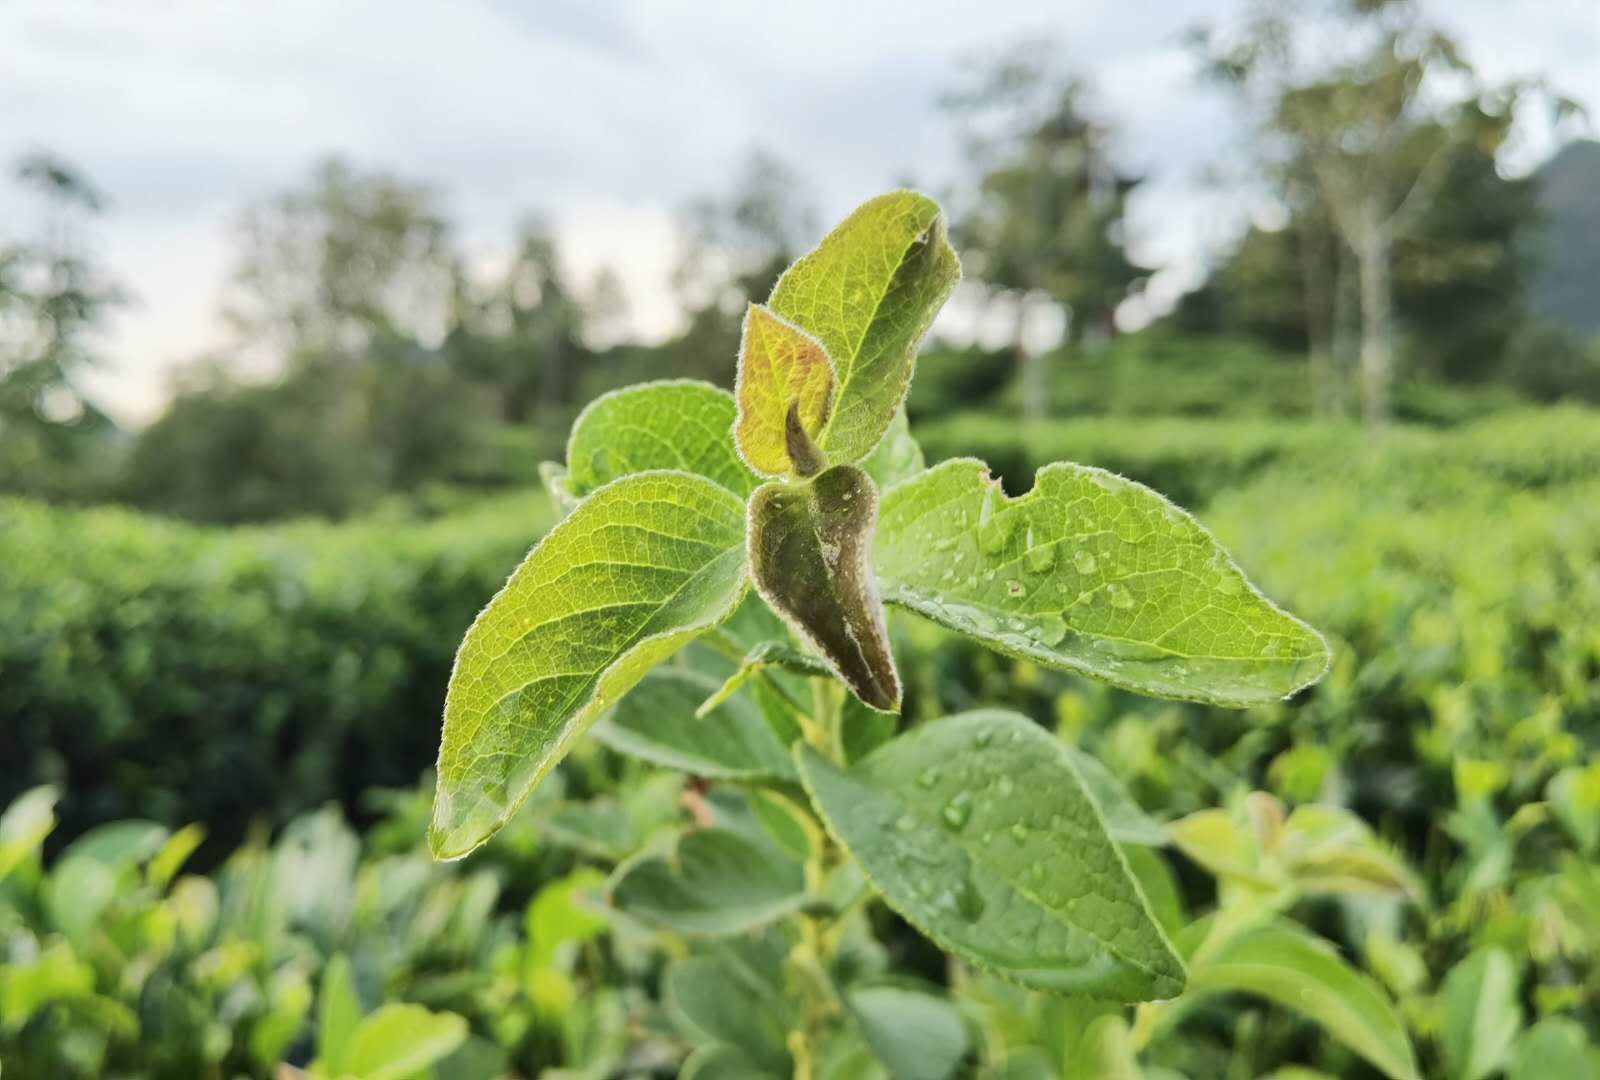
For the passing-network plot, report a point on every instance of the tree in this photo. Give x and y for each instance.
(1044, 218)
(53, 295)
(734, 246)
(345, 289)
(1460, 278)
(323, 270)
(1364, 132)
(521, 334)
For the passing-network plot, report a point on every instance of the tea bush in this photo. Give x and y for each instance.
(159, 670)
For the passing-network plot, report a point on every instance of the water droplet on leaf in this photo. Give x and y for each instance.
(958, 811)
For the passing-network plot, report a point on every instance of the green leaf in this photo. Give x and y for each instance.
(1574, 798)
(1125, 820)
(720, 1003)
(808, 557)
(77, 893)
(723, 1063)
(637, 570)
(1158, 883)
(869, 292)
(786, 820)
(118, 845)
(25, 824)
(657, 722)
(338, 1015)
(556, 917)
(918, 1036)
(716, 882)
(174, 853)
(1481, 1014)
(1108, 1050)
(29, 983)
(1554, 1049)
(1286, 965)
(862, 730)
(897, 456)
(978, 830)
(399, 1041)
(1093, 574)
(782, 369)
(674, 424)
(553, 475)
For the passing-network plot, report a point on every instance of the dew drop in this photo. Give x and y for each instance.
(945, 543)
(1005, 786)
(969, 901)
(984, 737)
(928, 777)
(1119, 596)
(1041, 557)
(958, 811)
(1019, 832)
(905, 823)
(994, 527)
(1084, 560)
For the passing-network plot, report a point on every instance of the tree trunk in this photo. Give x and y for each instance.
(1319, 302)
(1377, 329)
(1033, 368)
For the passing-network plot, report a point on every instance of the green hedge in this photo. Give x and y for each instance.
(160, 670)
(1191, 461)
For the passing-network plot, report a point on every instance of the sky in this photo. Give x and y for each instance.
(606, 116)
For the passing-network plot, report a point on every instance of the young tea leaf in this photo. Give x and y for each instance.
(1093, 574)
(338, 1014)
(675, 424)
(869, 292)
(1482, 1014)
(717, 883)
(808, 558)
(399, 1041)
(918, 1036)
(658, 722)
(1287, 965)
(978, 830)
(636, 571)
(785, 378)
(718, 1002)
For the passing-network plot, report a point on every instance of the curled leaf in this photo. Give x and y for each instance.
(808, 556)
(869, 292)
(784, 391)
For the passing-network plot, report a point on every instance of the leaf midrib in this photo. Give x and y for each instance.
(825, 436)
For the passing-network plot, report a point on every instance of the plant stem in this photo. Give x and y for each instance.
(812, 955)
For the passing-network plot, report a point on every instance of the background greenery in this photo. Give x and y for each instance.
(224, 639)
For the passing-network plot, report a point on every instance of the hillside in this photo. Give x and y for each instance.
(1568, 285)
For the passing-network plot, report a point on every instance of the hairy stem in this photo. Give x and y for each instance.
(812, 955)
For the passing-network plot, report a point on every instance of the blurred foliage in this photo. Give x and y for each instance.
(1411, 844)
(54, 294)
(285, 665)
(1039, 221)
(355, 957)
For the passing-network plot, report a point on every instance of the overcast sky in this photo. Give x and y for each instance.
(606, 115)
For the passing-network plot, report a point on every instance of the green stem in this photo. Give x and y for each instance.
(812, 955)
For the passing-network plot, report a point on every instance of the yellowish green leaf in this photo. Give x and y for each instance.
(641, 567)
(782, 369)
(869, 292)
